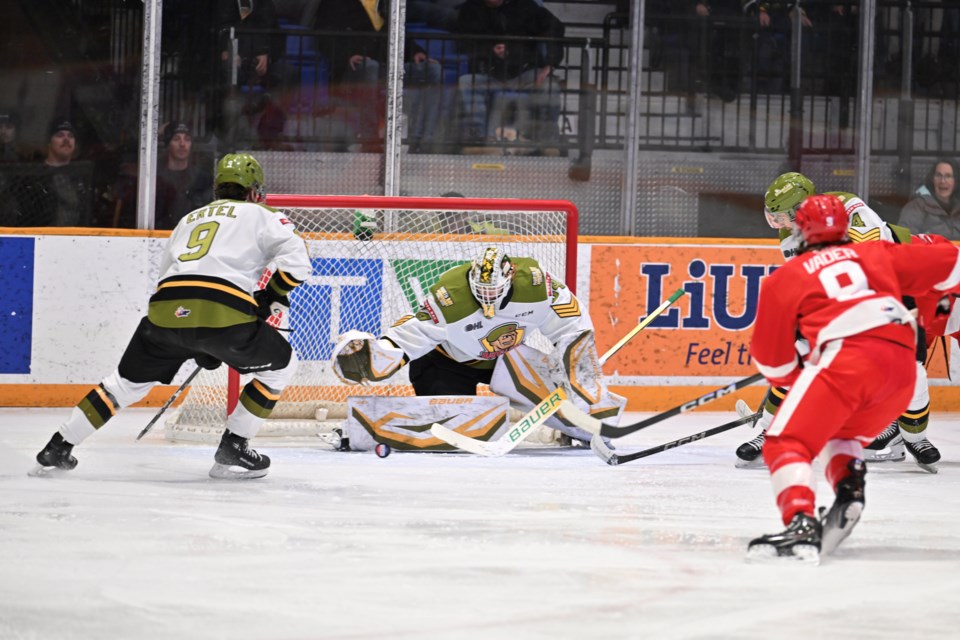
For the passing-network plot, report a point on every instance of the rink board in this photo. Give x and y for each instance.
(74, 298)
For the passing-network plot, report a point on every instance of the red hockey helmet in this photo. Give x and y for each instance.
(821, 220)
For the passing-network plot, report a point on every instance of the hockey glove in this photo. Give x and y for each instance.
(274, 310)
(360, 358)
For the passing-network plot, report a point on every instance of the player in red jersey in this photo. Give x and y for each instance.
(845, 299)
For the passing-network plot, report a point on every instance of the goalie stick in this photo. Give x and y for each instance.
(517, 434)
(640, 327)
(590, 424)
(607, 455)
(170, 401)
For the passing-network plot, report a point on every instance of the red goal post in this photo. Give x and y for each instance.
(374, 257)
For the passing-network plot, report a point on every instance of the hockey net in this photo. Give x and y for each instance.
(374, 258)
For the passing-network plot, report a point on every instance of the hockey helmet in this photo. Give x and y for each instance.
(821, 220)
(783, 197)
(490, 276)
(242, 169)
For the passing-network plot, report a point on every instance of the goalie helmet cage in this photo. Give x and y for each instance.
(374, 258)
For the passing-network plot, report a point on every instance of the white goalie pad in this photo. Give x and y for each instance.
(526, 376)
(404, 423)
(359, 358)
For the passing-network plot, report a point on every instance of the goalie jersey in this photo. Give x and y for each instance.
(214, 259)
(451, 320)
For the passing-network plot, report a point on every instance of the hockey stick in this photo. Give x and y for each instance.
(643, 325)
(166, 405)
(517, 434)
(607, 455)
(591, 425)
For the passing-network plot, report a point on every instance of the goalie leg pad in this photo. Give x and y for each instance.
(526, 376)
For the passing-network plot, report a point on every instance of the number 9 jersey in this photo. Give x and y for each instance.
(214, 259)
(843, 291)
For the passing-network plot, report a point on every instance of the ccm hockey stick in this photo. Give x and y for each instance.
(607, 455)
(643, 325)
(591, 425)
(517, 434)
(170, 401)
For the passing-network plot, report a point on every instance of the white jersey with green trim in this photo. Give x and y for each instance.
(865, 224)
(234, 241)
(451, 319)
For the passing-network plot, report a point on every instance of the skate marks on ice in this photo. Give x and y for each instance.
(530, 545)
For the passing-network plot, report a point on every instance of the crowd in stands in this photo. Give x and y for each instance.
(478, 74)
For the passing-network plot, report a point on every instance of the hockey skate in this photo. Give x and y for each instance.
(56, 456)
(234, 452)
(749, 453)
(800, 542)
(924, 453)
(886, 447)
(838, 522)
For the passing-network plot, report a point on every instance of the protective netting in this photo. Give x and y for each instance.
(371, 266)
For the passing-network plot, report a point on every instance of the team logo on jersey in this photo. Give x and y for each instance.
(856, 221)
(536, 277)
(181, 312)
(443, 297)
(500, 340)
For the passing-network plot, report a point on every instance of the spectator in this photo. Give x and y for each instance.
(770, 61)
(423, 99)
(59, 194)
(717, 46)
(182, 184)
(503, 69)
(11, 150)
(355, 63)
(438, 14)
(256, 68)
(936, 206)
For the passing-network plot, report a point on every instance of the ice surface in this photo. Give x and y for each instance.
(138, 542)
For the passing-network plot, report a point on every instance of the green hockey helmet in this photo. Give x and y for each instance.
(784, 196)
(242, 169)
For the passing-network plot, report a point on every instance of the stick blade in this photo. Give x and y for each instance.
(579, 418)
(463, 442)
(602, 451)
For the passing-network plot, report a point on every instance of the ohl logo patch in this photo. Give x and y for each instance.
(501, 339)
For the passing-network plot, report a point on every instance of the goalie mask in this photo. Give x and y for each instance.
(783, 198)
(490, 276)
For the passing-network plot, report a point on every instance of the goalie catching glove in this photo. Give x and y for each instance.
(359, 358)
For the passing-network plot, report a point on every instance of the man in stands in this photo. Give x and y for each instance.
(845, 300)
(204, 309)
(502, 72)
(182, 184)
(59, 194)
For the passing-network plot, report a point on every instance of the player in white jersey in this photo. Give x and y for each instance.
(781, 201)
(204, 309)
(470, 329)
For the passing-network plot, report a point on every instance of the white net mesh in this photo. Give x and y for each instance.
(373, 260)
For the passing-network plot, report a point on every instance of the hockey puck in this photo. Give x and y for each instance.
(382, 450)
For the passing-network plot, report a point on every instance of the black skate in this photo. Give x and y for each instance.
(56, 455)
(234, 452)
(886, 447)
(838, 522)
(800, 542)
(926, 455)
(749, 453)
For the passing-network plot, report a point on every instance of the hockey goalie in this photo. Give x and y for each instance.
(471, 329)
